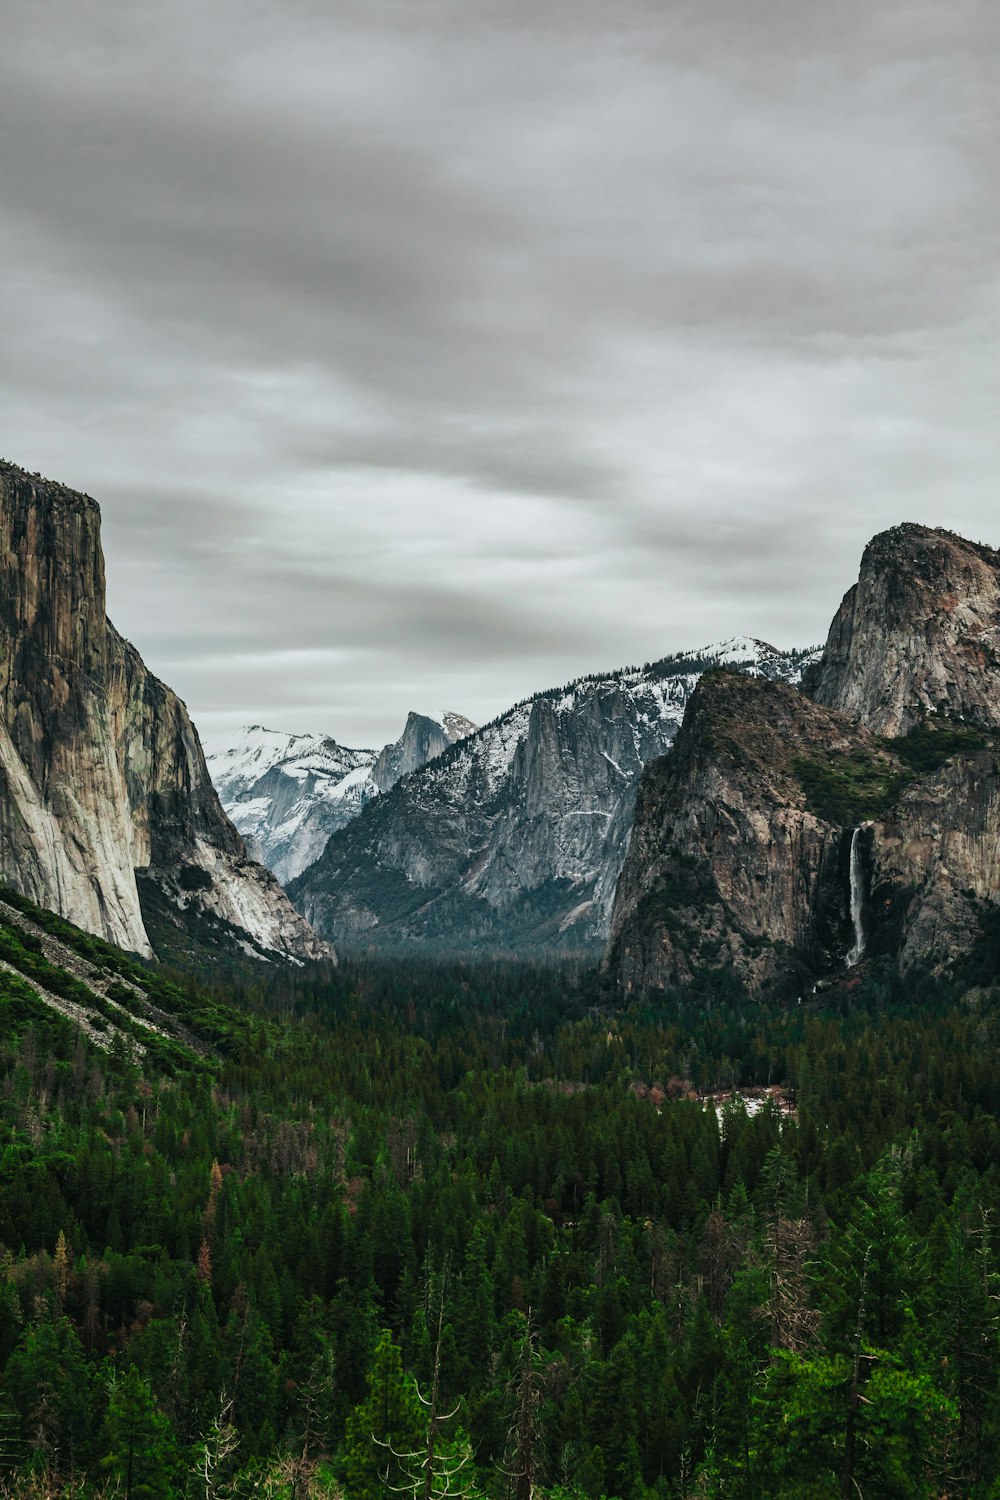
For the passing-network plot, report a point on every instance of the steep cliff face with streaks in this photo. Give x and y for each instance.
(733, 866)
(918, 634)
(107, 812)
(423, 738)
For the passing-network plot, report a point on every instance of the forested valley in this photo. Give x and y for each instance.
(417, 1228)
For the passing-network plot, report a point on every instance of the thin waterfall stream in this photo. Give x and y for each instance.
(857, 901)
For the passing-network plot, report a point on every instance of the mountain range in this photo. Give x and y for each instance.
(512, 839)
(287, 793)
(739, 818)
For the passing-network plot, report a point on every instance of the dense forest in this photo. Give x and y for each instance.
(403, 1228)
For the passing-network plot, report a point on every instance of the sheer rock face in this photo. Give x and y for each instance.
(101, 771)
(919, 632)
(65, 830)
(423, 739)
(727, 867)
(512, 839)
(496, 845)
(934, 863)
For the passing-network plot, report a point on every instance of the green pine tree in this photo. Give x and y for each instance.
(140, 1453)
(388, 1421)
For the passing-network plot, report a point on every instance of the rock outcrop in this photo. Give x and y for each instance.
(107, 811)
(933, 862)
(512, 839)
(65, 829)
(918, 633)
(740, 858)
(422, 739)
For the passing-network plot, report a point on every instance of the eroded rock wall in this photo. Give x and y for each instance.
(731, 868)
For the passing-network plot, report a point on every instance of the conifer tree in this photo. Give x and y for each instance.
(388, 1421)
(140, 1454)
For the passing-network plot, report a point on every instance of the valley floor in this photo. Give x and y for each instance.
(694, 1248)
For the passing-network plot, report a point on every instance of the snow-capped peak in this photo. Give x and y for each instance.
(456, 726)
(752, 655)
(256, 750)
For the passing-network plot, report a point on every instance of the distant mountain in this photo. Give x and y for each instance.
(790, 837)
(512, 839)
(108, 815)
(287, 793)
(422, 739)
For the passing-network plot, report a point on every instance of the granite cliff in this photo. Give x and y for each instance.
(422, 739)
(107, 812)
(918, 633)
(733, 865)
(791, 835)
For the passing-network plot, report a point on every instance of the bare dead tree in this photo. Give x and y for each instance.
(429, 1472)
(790, 1244)
(217, 1447)
(523, 1435)
(317, 1398)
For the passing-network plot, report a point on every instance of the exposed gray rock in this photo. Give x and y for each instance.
(729, 869)
(286, 793)
(933, 862)
(740, 858)
(918, 633)
(422, 739)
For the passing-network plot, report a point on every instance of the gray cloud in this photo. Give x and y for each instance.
(433, 354)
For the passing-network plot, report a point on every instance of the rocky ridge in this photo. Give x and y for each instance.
(512, 839)
(422, 739)
(107, 812)
(286, 793)
(731, 867)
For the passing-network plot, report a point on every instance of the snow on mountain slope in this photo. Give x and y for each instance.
(513, 839)
(456, 726)
(287, 793)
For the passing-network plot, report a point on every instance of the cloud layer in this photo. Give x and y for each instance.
(431, 354)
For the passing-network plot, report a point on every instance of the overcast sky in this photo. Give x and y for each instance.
(428, 354)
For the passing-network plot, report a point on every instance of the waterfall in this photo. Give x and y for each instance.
(857, 901)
